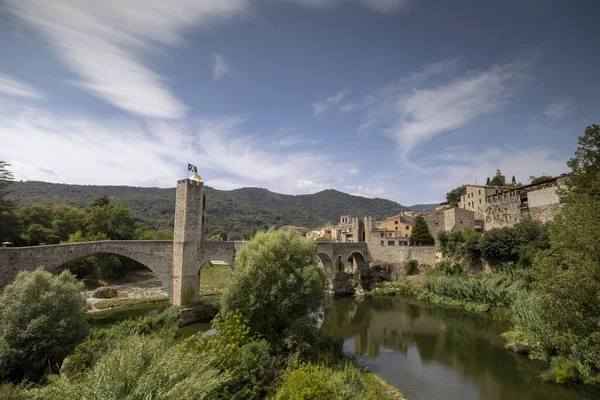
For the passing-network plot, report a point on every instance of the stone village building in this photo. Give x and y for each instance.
(508, 206)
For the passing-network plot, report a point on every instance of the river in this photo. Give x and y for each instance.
(427, 352)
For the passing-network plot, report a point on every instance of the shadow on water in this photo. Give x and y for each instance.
(438, 353)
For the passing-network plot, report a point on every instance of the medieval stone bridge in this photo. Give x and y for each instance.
(176, 263)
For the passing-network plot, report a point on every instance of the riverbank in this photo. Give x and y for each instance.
(143, 287)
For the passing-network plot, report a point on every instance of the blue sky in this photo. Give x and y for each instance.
(400, 99)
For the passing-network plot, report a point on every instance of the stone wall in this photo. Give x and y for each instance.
(543, 197)
(544, 213)
(435, 222)
(154, 254)
(502, 214)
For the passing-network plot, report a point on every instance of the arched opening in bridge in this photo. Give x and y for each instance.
(213, 277)
(356, 263)
(131, 279)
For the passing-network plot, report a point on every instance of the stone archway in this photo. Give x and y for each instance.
(214, 276)
(360, 268)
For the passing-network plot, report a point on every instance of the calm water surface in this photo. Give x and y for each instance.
(438, 353)
(427, 352)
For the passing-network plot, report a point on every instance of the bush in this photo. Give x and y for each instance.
(320, 382)
(42, 318)
(411, 267)
(103, 340)
(142, 367)
(494, 290)
(500, 245)
(278, 289)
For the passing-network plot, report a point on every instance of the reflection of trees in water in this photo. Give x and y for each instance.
(468, 343)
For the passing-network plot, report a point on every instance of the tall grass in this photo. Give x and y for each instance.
(497, 290)
(144, 367)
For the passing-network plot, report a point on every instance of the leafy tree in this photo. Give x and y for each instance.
(496, 181)
(500, 246)
(420, 232)
(278, 288)
(585, 166)
(101, 201)
(513, 181)
(540, 179)
(42, 318)
(8, 220)
(487, 182)
(113, 220)
(453, 196)
(562, 313)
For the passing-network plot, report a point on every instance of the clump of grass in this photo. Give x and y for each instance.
(481, 294)
(125, 302)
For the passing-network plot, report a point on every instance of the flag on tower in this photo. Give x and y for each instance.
(192, 168)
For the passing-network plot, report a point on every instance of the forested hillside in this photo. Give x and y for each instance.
(237, 212)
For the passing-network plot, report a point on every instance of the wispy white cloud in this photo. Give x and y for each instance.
(220, 68)
(413, 115)
(14, 87)
(44, 146)
(558, 109)
(103, 43)
(322, 106)
(382, 6)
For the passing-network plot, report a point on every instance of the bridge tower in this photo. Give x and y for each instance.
(188, 237)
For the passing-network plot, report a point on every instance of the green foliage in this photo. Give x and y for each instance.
(320, 382)
(540, 179)
(560, 317)
(143, 367)
(496, 181)
(42, 318)
(240, 352)
(278, 288)
(113, 220)
(584, 178)
(497, 290)
(103, 340)
(453, 196)
(411, 267)
(500, 246)
(420, 232)
(9, 223)
(238, 213)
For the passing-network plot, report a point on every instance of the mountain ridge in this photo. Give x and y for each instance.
(234, 211)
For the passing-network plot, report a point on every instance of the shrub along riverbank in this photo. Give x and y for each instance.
(267, 343)
(547, 277)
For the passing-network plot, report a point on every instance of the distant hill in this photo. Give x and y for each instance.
(234, 211)
(423, 207)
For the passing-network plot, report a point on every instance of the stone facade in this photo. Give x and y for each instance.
(540, 202)
(401, 223)
(475, 199)
(154, 254)
(449, 219)
(188, 235)
(503, 213)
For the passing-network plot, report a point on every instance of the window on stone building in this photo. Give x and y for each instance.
(381, 234)
(382, 242)
(390, 242)
(479, 201)
(396, 222)
(396, 228)
(407, 227)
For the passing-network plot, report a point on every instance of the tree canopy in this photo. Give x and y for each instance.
(278, 288)
(42, 318)
(420, 232)
(453, 196)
